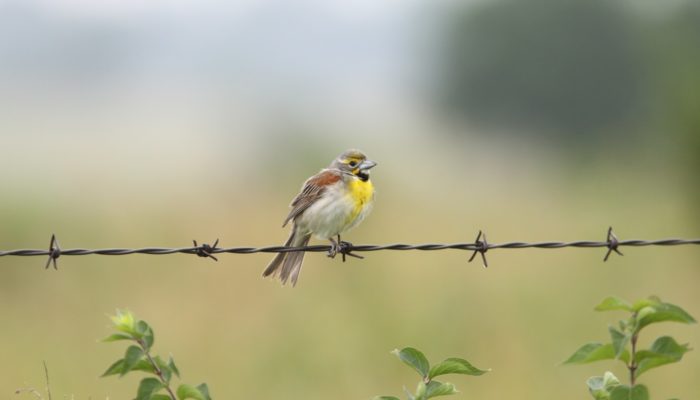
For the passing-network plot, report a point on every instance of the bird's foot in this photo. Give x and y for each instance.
(333, 249)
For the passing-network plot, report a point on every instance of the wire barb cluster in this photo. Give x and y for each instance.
(205, 250)
(54, 252)
(613, 244)
(480, 246)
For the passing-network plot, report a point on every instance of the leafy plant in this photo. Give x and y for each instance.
(623, 346)
(138, 357)
(427, 387)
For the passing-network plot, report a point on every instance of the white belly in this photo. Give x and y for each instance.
(328, 216)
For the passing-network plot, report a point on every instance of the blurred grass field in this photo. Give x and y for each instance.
(330, 337)
(135, 124)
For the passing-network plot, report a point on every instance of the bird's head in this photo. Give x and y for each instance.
(354, 162)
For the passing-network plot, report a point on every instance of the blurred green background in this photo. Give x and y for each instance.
(132, 124)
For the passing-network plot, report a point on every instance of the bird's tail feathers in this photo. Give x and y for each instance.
(288, 264)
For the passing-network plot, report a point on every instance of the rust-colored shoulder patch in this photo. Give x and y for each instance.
(313, 190)
(324, 178)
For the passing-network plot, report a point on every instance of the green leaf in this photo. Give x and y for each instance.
(600, 386)
(409, 394)
(595, 351)
(624, 392)
(117, 336)
(115, 368)
(204, 389)
(385, 398)
(124, 321)
(160, 397)
(185, 391)
(664, 350)
(131, 358)
(661, 312)
(639, 392)
(597, 388)
(619, 341)
(172, 366)
(144, 365)
(414, 359)
(141, 327)
(435, 389)
(648, 302)
(148, 338)
(613, 303)
(421, 389)
(144, 331)
(147, 388)
(455, 366)
(118, 366)
(610, 380)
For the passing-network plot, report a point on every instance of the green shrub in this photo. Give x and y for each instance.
(138, 357)
(623, 347)
(427, 387)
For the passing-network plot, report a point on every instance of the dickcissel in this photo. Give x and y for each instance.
(330, 202)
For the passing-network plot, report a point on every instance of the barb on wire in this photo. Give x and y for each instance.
(205, 250)
(345, 249)
(480, 245)
(613, 244)
(54, 252)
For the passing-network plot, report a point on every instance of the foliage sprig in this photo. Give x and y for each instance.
(138, 357)
(428, 387)
(623, 347)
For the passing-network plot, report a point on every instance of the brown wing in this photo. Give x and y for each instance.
(313, 189)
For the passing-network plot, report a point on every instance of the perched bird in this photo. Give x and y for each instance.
(330, 202)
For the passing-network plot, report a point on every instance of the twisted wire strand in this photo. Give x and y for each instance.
(479, 246)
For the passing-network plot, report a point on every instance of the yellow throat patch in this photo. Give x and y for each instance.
(361, 194)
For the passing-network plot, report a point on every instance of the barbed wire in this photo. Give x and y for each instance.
(479, 246)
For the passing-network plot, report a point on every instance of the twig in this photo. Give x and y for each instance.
(48, 386)
(31, 391)
(156, 369)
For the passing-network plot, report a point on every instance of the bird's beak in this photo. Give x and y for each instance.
(367, 164)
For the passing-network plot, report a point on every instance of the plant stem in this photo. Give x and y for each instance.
(156, 369)
(633, 359)
(48, 386)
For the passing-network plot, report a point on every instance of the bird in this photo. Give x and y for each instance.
(331, 202)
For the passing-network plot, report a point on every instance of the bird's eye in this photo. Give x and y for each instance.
(353, 164)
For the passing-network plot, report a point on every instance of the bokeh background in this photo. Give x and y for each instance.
(132, 124)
